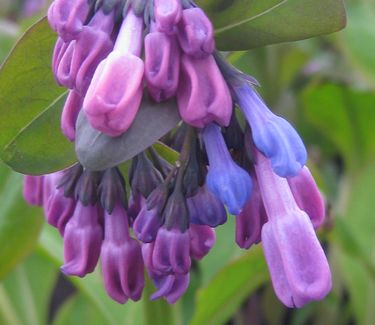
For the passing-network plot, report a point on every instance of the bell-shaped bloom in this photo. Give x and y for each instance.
(33, 189)
(114, 95)
(308, 196)
(171, 287)
(135, 204)
(167, 14)
(121, 257)
(58, 53)
(195, 33)
(147, 224)
(70, 113)
(82, 241)
(203, 95)
(225, 179)
(67, 17)
(202, 239)
(83, 55)
(298, 266)
(171, 251)
(162, 65)
(250, 221)
(272, 135)
(206, 209)
(59, 209)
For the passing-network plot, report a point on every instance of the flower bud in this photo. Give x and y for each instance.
(202, 239)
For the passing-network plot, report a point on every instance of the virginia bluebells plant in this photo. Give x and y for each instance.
(111, 54)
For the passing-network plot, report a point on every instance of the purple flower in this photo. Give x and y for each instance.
(58, 53)
(272, 135)
(115, 92)
(307, 196)
(82, 241)
(147, 224)
(171, 287)
(226, 180)
(171, 252)
(33, 189)
(299, 269)
(250, 221)
(67, 17)
(162, 65)
(167, 15)
(202, 94)
(121, 256)
(206, 209)
(202, 239)
(83, 55)
(195, 33)
(70, 113)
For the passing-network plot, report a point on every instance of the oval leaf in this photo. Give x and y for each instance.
(97, 151)
(242, 25)
(28, 100)
(26, 153)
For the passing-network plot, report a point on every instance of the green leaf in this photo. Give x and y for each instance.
(246, 24)
(19, 223)
(345, 116)
(217, 302)
(29, 106)
(358, 39)
(97, 151)
(28, 292)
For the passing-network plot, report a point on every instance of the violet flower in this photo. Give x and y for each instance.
(33, 189)
(225, 179)
(298, 266)
(147, 224)
(167, 15)
(67, 17)
(202, 95)
(272, 135)
(202, 239)
(250, 221)
(206, 209)
(70, 113)
(162, 65)
(196, 34)
(82, 241)
(121, 256)
(115, 92)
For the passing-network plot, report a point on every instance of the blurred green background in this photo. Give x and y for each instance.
(326, 87)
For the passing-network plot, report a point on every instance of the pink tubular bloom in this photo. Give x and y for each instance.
(121, 256)
(307, 196)
(162, 65)
(202, 95)
(70, 113)
(167, 14)
(202, 239)
(115, 92)
(58, 53)
(82, 241)
(298, 266)
(67, 17)
(195, 33)
(33, 189)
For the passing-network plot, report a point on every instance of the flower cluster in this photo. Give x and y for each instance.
(257, 173)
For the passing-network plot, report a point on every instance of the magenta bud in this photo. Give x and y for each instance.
(121, 256)
(202, 239)
(162, 65)
(33, 189)
(67, 17)
(58, 54)
(307, 196)
(171, 287)
(63, 75)
(70, 113)
(167, 14)
(171, 252)
(250, 221)
(202, 94)
(299, 269)
(147, 224)
(82, 241)
(196, 33)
